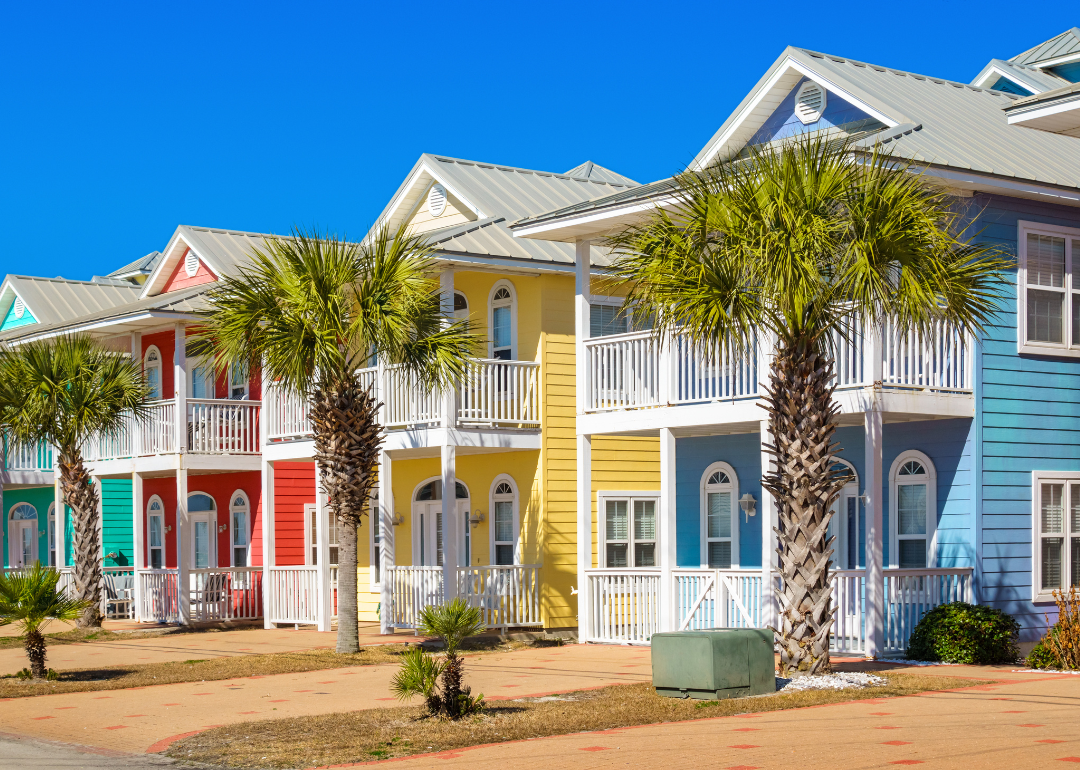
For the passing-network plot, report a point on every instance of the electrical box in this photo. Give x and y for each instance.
(713, 664)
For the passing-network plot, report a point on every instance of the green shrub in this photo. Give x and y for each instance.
(965, 633)
(1060, 646)
(1042, 656)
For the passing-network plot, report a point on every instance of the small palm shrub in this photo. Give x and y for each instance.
(1060, 647)
(965, 633)
(440, 680)
(30, 599)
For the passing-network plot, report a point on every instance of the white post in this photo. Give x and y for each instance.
(138, 530)
(267, 498)
(449, 397)
(183, 547)
(669, 606)
(386, 542)
(769, 521)
(61, 514)
(322, 558)
(584, 533)
(180, 385)
(450, 529)
(873, 510)
(136, 425)
(582, 257)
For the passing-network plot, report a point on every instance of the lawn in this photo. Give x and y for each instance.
(386, 733)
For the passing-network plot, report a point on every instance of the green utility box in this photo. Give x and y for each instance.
(714, 664)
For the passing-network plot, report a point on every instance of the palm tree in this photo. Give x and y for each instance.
(311, 310)
(65, 391)
(805, 242)
(31, 599)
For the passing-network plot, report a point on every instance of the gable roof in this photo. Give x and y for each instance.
(223, 251)
(1067, 44)
(1035, 80)
(141, 266)
(53, 300)
(590, 170)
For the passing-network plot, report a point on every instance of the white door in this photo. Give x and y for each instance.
(428, 518)
(203, 535)
(22, 537)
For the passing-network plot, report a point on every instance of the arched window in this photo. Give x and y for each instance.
(202, 513)
(22, 535)
(503, 321)
(241, 529)
(719, 520)
(24, 512)
(155, 532)
(846, 524)
(152, 369)
(504, 521)
(52, 535)
(913, 518)
(461, 307)
(428, 522)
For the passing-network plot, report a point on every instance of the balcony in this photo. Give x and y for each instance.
(39, 458)
(493, 393)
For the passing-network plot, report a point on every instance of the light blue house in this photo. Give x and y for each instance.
(966, 453)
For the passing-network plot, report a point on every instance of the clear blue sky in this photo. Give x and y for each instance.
(122, 121)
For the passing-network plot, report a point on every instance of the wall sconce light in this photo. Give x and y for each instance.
(112, 555)
(222, 527)
(168, 527)
(398, 519)
(41, 533)
(476, 517)
(862, 497)
(748, 505)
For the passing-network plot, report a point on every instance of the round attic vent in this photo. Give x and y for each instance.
(191, 263)
(436, 200)
(810, 102)
(18, 308)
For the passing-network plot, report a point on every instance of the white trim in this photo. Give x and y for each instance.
(195, 363)
(7, 285)
(1067, 58)
(503, 283)
(602, 498)
(703, 512)
(1022, 115)
(1067, 348)
(191, 262)
(233, 509)
(842, 533)
(813, 116)
(504, 478)
(160, 366)
(150, 548)
(930, 480)
(230, 384)
(50, 537)
(411, 182)
(417, 533)
(309, 544)
(212, 558)
(13, 542)
(374, 519)
(1037, 479)
(1010, 76)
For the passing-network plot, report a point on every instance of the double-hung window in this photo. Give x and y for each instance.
(1056, 534)
(913, 517)
(606, 319)
(629, 531)
(156, 535)
(719, 521)
(1048, 295)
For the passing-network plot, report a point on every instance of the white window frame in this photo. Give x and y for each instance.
(895, 481)
(733, 478)
(630, 496)
(607, 301)
(12, 544)
(1069, 347)
(160, 366)
(233, 385)
(201, 362)
(843, 534)
(212, 558)
(502, 283)
(233, 510)
(150, 548)
(504, 478)
(50, 540)
(310, 542)
(1038, 478)
(374, 578)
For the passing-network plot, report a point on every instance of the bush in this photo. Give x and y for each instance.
(965, 633)
(1042, 656)
(1060, 647)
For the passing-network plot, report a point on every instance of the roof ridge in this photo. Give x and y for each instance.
(519, 169)
(226, 231)
(60, 279)
(1074, 31)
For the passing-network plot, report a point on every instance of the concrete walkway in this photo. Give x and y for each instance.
(20, 753)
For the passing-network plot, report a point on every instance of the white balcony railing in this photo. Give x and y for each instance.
(507, 596)
(638, 370)
(500, 392)
(36, 458)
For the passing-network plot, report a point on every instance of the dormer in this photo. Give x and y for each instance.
(1055, 111)
(14, 309)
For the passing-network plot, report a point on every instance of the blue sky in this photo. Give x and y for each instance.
(122, 121)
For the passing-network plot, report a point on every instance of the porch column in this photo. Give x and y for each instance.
(183, 547)
(582, 262)
(180, 385)
(322, 558)
(450, 527)
(267, 524)
(875, 575)
(669, 606)
(449, 396)
(582, 272)
(386, 542)
(61, 516)
(769, 521)
(138, 531)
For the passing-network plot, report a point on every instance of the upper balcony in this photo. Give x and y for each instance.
(493, 395)
(27, 464)
(636, 383)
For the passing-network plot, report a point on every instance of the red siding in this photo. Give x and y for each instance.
(181, 280)
(294, 486)
(165, 342)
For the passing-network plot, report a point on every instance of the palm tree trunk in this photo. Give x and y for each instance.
(81, 496)
(804, 484)
(35, 651)
(344, 418)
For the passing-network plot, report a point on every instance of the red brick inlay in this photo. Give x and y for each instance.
(906, 762)
(329, 681)
(881, 713)
(744, 746)
(171, 704)
(116, 727)
(129, 716)
(743, 767)
(746, 729)
(64, 708)
(886, 727)
(37, 718)
(247, 712)
(1031, 725)
(595, 748)
(896, 743)
(1068, 759)
(280, 700)
(1013, 712)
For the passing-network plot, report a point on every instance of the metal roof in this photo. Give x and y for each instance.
(52, 300)
(1049, 96)
(1031, 78)
(141, 266)
(590, 170)
(1065, 44)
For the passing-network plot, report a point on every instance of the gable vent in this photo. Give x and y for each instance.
(191, 263)
(810, 103)
(18, 308)
(436, 200)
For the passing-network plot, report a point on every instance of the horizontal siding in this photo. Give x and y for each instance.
(294, 487)
(116, 523)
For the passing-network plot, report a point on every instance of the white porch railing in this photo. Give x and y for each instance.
(500, 392)
(223, 427)
(849, 611)
(911, 593)
(940, 363)
(160, 597)
(226, 593)
(624, 605)
(412, 589)
(508, 597)
(718, 598)
(712, 372)
(294, 595)
(38, 457)
(623, 371)
(405, 403)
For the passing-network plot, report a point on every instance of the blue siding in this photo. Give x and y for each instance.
(1029, 410)
(11, 322)
(1070, 71)
(783, 123)
(1006, 85)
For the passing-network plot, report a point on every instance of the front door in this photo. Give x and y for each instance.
(429, 520)
(203, 535)
(22, 536)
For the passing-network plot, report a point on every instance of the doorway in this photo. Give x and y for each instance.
(22, 535)
(202, 513)
(428, 524)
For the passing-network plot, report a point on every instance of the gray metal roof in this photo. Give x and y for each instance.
(1031, 78)
(1068, 42)
(590, 170)
(142, 265)
(52, 300)
(1049, 96)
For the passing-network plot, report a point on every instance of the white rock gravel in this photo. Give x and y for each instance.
(841, 681)
(1043, 671)
(906, 662)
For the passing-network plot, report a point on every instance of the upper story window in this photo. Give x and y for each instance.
(914, 511)
(719, 521)
(607, 319)
(1056, 534)
(202, 380)
(1048, 296)
(152, 369)
(461, 307)
(503, 321)
(238, 382)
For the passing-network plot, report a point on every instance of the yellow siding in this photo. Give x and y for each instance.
(476, 286)
(455, 213)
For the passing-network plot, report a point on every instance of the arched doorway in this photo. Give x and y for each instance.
(202, 512)
(22, 535)
(428, 524)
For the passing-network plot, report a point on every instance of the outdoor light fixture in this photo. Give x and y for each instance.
(222, 527)
(476, 517)
(168, 527)
(748, 505)
(111, 555)
(398, 520)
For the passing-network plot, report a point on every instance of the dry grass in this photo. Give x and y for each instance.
(81, 635)
(149, 674)
(394, 732)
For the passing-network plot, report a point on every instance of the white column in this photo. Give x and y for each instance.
(267, 498)
(322, 558)
(669, 606)
(180, 385)
(386, 542)
(584, 533)
(582, 256)
(61, 517)
(769, 521)
(136, 359)
(138, 530)
(450, 527)
(183, 547)
(875, 576)
(449, 396)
